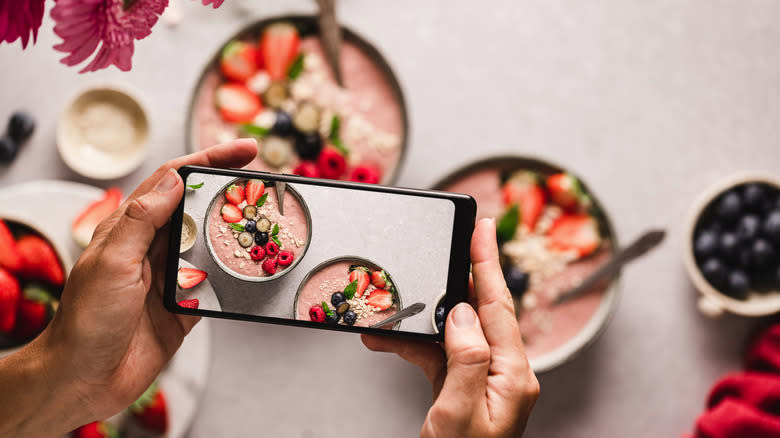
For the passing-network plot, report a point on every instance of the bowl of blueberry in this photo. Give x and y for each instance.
(732, 249)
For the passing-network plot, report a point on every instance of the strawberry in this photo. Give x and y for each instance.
(317, 313)
(269, 265)
(9, 299)
(231, 214)
(359, 274)
(331, 163)
(308, 169)
(523, 189)
(238, 61)
(575, 232)
(380, 299)
(254, 190)
(237, 103)
(366, 174)
(9, 254)
(97, 429)
(235, 194)
(565, 191)
(32, 313)
(188, 278)
(85, 223)
(189, 304)
(278, 49)
(379, 279)
(39, 261)
(150, 410)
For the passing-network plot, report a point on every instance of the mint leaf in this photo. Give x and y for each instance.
(296, 68)
(339, 145)
(335, 126)
(255, 130)
(237, 227)
(196, 186)
(350, 290)
(507, 225)
(326, 308)
(276, 241)
(262, 199)
(275, 230)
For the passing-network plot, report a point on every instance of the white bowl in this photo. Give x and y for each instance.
(712, 302)
(103, 133)
(189, 222)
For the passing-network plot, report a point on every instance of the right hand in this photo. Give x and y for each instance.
(482, 383)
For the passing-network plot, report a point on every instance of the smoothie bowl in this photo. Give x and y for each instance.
(248, 237)
(349, 291)
(271, 81)
(552, 234)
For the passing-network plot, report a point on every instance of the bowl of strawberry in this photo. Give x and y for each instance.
(732, 247)
(271, 81)
(552, 233)
(32, 275)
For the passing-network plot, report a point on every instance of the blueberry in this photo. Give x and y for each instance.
(745, 256)
(772, 226)
(337, 298)
(516, 281)
(440, 326)
(21, 126)
(332, 318)
(754, 196)
(308, 145)
(350, 317)
(739, 284)
(763, 254)
(261, 238)
(706, 244)
(283, 125)
(777, 277)
(8, 149)
(729, 206)
(440, 314)
(729, 244)
(714, 271)
(250, 226)
(748, 228)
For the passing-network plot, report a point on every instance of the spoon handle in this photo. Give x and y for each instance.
(330, 34)
(412, 310)
(280, 186)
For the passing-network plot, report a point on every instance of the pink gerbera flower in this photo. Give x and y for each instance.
(20, 17)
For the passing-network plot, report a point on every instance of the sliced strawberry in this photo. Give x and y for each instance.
(523, 189)
(565, 191)
(254, 190)
(237, 103)
(380, 299)
(189, 304)
(150, 410)
(575, 232)
(278, 49)
(85, 223)
(9, 299)
(379, 279)
(39, 261)
(9, 254)
(235, 194)
(231, 214)
(359, 274)
(97, 429)
(33, 313)
(190, 277)
(238, 61)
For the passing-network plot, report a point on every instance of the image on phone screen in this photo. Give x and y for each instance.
(316, 253)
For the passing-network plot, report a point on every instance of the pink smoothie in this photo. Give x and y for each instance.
(366, 106)
(334, 278)
(544, 327)
(293, 233)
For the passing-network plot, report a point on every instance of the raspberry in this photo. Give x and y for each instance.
(257, 253)
(316, 313)
(331, 163)
(307, 168)
(366, 174)
(285, 258)
(271, 248)
(269, 266)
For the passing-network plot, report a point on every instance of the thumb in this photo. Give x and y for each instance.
(468, 359)
(134, 231)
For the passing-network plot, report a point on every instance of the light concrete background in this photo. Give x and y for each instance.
(651, 102)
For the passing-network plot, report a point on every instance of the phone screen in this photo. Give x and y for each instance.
(338, 256)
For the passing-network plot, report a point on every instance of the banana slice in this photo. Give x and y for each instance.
(276, 151)
(275, 95)
(307, 118)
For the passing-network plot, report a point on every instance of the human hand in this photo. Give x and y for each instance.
(111, 335)
(482, 383)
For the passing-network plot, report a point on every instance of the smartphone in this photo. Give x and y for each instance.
(285, 249)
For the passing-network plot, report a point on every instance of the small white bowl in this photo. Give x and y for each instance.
(186, 244)
(103, 133)
(712, 302)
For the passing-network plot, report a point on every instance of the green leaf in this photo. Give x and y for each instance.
(276, 240)
(339, 145)
(335, 126)
(326, 308)
(262, 199)
(196, 186)
(237, 227)
(255, 130)
(275, 230)
(507, 226)
(296, 68)
(350, 290)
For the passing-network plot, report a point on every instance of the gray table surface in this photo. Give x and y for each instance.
(651, 102)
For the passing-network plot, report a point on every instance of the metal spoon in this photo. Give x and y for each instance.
(639, 247)
(280, 186)
(330, 34)
(412, 310)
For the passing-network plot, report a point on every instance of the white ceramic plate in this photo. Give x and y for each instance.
(204, 292)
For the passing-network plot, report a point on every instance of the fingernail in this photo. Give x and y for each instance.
(168, 181)
(463, 316)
